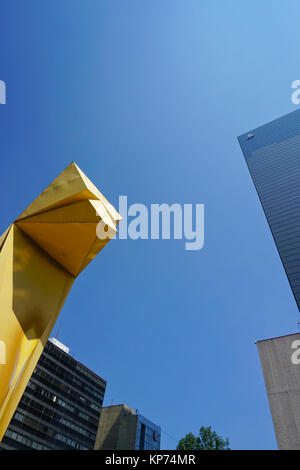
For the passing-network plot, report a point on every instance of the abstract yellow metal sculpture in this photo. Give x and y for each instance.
(41, 254)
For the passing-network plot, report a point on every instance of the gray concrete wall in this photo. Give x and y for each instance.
(116, 429)
(280, 361)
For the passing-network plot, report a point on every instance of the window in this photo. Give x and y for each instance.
(25, 440)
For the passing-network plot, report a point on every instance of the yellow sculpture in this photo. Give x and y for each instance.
(41, 254)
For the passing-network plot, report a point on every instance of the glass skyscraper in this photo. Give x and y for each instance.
(272, 154)
(147, 434)
(61, 405)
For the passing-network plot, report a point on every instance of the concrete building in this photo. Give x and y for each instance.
(280, 361)
(60, 407)
(272, 154)
(120, 428)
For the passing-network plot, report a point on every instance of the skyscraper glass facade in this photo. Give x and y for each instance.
(60, 407)
(272, 154)
(147, 434)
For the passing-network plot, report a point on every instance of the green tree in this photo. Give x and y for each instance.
(207, 440)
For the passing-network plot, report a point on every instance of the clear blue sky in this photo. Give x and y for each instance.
(148, 98)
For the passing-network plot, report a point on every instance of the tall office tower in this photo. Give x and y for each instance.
(60, 407)
(272, 153)
(121, 429)
(280, 361)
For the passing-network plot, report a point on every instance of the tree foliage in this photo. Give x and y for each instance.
(207, 440)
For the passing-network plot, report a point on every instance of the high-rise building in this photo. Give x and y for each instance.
(60, 407)
(280, 361)
(272, 153)
(120, 428)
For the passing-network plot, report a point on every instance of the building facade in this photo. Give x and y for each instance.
(120, 428)
(280, 361)
(272, 154)
(60, 407)
(147, 434)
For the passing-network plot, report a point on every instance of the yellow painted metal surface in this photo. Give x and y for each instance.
(41, 254)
